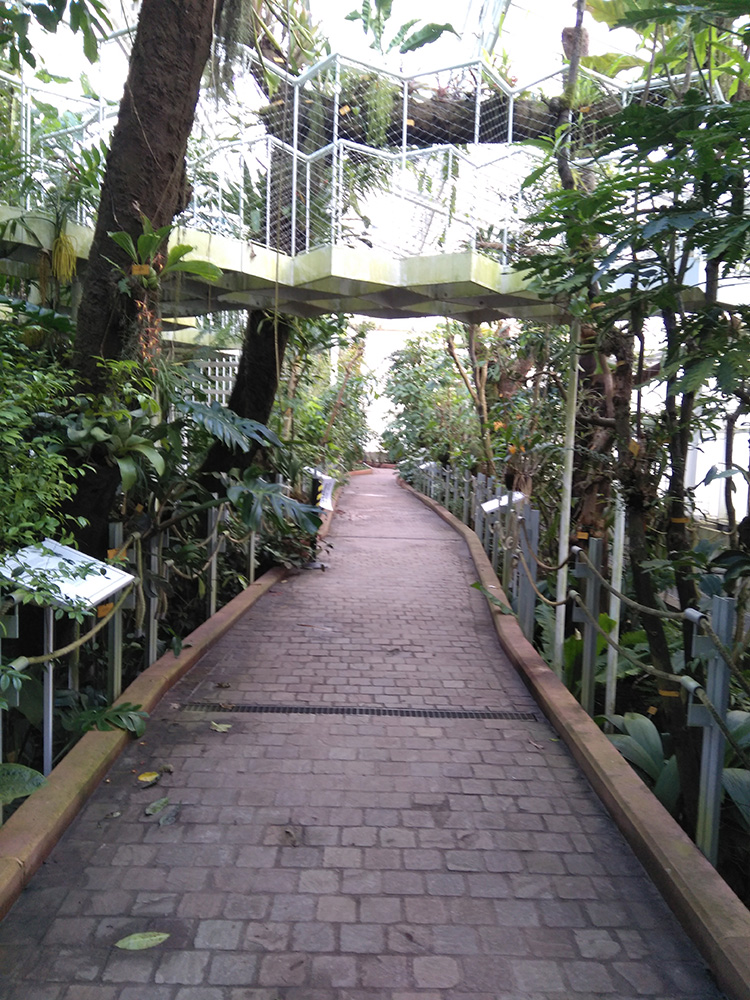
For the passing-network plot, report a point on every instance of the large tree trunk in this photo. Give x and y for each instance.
(145, 170)
(255, 387)
(144, 176)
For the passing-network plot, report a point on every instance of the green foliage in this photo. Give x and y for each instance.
(434, 416)
(255, 499)
(641, 744)
(84, 717)
(374, 16)
(17, 781)
(148, 256)
(36, 478)
(11, 678)
(226, 426)
(90, 17)
(320, 413)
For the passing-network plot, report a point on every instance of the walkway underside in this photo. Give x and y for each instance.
(364, 803)
(465, 286)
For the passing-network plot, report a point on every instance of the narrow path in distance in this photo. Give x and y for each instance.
(370, 806)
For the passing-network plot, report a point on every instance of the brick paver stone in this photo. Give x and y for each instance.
(346, 854)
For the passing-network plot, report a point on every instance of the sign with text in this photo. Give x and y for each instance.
(71, 577)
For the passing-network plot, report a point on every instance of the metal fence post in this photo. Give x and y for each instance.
(151, 644)
(479, 497)
(496, 538)
(712, 756)
(251, 558)
(590, 634)
(466, 496)
(213, 547)
(508, 523)
(529, 544)
(615, 605)
(488, 522)
(8, 630)
(114, 629)
(49, 690)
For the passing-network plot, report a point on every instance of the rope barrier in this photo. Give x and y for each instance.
(705, 626)
(625, 653)
(697, 689)
(542, 565)
(64, 650)
(537, 591)
(509, 542)
(642, 608)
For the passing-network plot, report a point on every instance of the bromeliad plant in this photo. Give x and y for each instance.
(150, 266)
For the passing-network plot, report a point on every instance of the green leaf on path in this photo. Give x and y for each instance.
(139, 942)
(156, 806)
(170, 816)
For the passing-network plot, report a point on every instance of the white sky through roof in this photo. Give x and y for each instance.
(530, 37)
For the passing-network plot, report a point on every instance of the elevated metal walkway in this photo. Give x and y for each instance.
(351, 189)
(466, 286)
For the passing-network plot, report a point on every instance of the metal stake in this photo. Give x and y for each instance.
(49, 690)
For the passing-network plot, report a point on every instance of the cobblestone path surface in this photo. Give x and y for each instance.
(340, 841)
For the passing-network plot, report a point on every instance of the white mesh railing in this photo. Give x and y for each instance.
(348, 153)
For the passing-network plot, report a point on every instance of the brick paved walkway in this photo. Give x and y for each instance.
(347, 856)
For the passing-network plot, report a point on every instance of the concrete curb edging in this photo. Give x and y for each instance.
(713, 916)
(36, 826)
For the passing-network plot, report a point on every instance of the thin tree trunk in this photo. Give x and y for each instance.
(351, 365)
(477, 391)
(254, 390)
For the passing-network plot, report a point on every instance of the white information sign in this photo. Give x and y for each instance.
(325, 501)
(489, 505)
(325, 491)
(71, 576)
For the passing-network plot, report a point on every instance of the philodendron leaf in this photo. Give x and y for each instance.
(17, 781)
(139, 942)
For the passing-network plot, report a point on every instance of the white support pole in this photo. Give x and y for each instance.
(478, 69)
(269, 157)
(567, 495)
(404, 140)
(336, 154)
(615, 605)
(295, 161)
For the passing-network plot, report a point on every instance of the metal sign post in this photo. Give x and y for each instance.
(72, 580)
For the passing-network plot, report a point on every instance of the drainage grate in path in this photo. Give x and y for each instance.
(399, 713)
